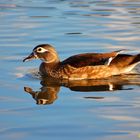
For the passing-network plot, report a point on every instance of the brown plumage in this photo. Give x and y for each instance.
(83, 66)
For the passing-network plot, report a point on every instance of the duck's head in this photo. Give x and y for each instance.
(45, 52)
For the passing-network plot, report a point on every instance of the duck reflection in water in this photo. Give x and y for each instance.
(50, 87)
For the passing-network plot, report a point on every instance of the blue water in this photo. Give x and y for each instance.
(87, 110)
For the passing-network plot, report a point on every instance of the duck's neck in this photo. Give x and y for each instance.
(49, 69)
(53, 65)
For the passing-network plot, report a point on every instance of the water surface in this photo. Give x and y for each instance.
(80, 110)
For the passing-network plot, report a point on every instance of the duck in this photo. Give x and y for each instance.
(82, 66)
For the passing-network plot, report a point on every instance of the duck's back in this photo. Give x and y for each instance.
(88, 59)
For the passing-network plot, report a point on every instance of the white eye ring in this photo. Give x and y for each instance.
(41, 50)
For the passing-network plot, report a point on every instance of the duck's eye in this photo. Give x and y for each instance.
(41, 50)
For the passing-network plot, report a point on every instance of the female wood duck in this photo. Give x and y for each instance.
(83, 66)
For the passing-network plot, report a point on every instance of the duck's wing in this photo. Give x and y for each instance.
(90, 59)
(125, 60)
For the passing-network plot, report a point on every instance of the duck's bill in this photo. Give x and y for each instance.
(30, 57)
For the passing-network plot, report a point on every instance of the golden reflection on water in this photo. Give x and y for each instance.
(50, 88)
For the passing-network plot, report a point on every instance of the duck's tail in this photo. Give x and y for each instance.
(126, 63)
